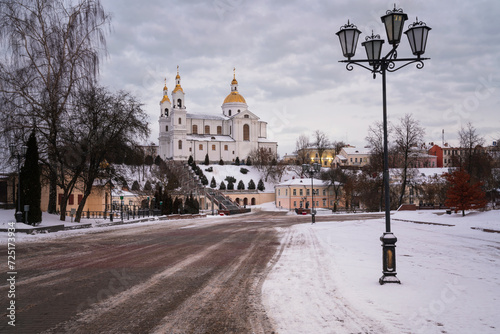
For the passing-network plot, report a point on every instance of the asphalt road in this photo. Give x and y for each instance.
(198, 276)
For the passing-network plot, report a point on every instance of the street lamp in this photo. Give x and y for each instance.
(311, 169)
(19, 154)
(417, 37)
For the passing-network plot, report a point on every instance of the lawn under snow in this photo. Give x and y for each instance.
(326, 279)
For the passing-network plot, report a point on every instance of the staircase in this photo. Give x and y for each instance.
(190, 183)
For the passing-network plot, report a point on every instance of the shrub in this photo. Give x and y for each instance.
(243, 170)
(241, 185)
(251, 185)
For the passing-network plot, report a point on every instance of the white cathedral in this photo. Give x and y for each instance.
(234, 133)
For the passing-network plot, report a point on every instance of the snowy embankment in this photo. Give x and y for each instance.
(326, 279)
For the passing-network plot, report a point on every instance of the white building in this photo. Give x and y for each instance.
(234, 133)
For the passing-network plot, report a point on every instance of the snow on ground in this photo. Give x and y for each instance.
(326, 279)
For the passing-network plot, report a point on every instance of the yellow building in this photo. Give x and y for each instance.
(296, 193)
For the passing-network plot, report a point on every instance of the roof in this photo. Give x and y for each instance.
(303, 182)
(206, 116)
(354, 150)
(202, 137)
(233, 97)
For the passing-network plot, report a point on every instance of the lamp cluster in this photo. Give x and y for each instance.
(394, 22)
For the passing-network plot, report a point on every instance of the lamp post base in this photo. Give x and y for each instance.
(389, 259)
(19, 217)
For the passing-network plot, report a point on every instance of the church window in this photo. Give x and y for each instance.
(179, 103)
(180, 120)
(207, 129)
(190, 149)
(229, 112)
(166, 112)
(180, 144)
(200, 147)
(238, 110)
(246, 132)
(225, 147)
(166, 128)
(246, 116)
(230, 130)
(195, 129)
(219, 130)
(213, 147)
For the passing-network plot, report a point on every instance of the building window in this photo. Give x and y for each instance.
(294, 192)
(190, 149)
(324, 202)
(80, 198)
(195, 129)
(286, 192)
(200, 147)
(166, 128)
(307, 192)
(180, 144)
(226, 147)
(246, 116)
(301, 192)
(324, 192)
(179, 103)
(166, 112)
(230, 130)
(71, 200)
(219, 130)
(229, 112)
(246, 132)
(294, 204)
(207, 129)
(279, 192)
(180, 120)
(213, 147)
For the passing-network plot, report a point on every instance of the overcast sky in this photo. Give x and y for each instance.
(286, 57)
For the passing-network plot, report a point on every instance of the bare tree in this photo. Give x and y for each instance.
(301, 146)
(321, 143)
(52, 48)
(336, 179)
(473, 159)
(107, 123)
(408, 135)
(375, 168)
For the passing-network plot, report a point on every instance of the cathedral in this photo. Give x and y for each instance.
(234, 133)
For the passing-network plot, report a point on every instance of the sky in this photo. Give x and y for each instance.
(286, 57)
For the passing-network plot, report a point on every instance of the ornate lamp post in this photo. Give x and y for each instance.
(311, 169)
(18, 154)
(417, 37)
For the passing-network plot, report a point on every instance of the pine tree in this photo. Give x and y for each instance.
(462, 194)
(230, 185)
(241, 185)
(221, 162)
(207, 161)
(251, 185)
(260, 185)
(249, 162)
(222, 186)
(237, 161)
(213, 184)
(30, 182)
(190, 160)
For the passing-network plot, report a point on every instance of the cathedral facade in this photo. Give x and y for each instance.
(234, 133)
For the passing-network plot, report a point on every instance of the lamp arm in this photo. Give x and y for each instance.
(391, 65)
(349, 66)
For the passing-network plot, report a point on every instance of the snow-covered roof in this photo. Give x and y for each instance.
(354, 150)
(304, 182)
(265, 140)
(206, 116)
(341, 157)
(201, 137)
(124, 193)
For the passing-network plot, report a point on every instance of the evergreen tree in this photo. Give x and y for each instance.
(190, 160)
(251, 185)
(260, 185)
(230, 185)
(136, 186)
(158, 160)
(31, 188)
(249, 162)
(207, 161)
(222, 186)
(213, 184)
(241, 185)
(203, 179)
(147, 186)
(221, 162)
(237, 161)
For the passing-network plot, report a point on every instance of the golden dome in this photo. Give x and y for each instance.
(177, 88)
(234, 82)
(165, 98)
(234, 97)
